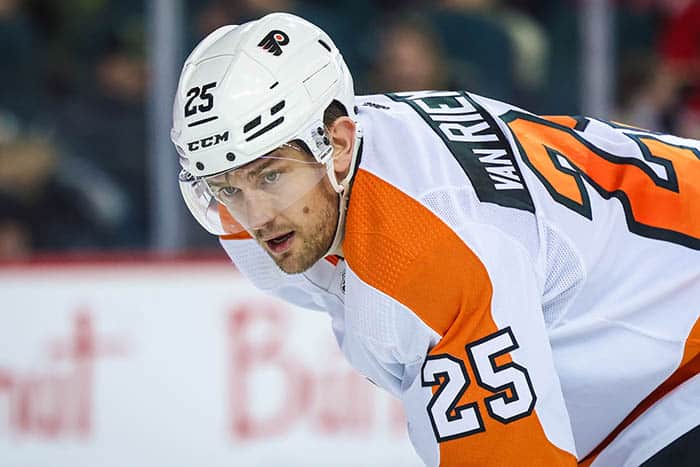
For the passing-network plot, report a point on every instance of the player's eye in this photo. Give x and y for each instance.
(227, 193)
(271, 177)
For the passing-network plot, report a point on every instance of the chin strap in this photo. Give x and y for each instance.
(343, 190)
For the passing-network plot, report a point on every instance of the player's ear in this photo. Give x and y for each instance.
(342, 135)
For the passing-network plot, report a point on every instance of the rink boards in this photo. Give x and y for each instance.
(177, 363)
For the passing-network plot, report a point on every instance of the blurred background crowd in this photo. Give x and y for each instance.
(75, 83)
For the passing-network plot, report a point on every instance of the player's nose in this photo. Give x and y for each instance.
(260, 212)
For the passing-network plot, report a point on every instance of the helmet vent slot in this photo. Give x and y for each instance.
(324, 45)
(274, 84)
(265, 129)
(277, 107)
(252, 124)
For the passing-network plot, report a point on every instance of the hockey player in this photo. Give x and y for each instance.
(528, 286)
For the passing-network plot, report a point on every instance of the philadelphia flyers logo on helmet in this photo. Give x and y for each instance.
(273, 42)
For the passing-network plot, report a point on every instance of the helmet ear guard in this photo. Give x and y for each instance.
(342, 188)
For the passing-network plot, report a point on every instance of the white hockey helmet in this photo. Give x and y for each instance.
(247, 90)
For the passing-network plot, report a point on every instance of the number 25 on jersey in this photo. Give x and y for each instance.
(513, 395)
(665, 208)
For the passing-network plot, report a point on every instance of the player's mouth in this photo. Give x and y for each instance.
(281, 243)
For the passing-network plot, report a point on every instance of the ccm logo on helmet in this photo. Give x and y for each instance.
(273, 41)
(207, 142)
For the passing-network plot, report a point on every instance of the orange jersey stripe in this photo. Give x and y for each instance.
(563, 120)
(689, 367)
(398, 246)
(242, 235)
(231, 225)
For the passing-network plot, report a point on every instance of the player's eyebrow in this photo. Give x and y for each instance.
(224, 181)
(262, 166)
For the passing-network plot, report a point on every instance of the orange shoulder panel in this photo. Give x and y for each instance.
(396, 245)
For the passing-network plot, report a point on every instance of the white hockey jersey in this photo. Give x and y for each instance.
(528, 286)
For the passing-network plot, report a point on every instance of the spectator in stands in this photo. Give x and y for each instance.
(660, 88)
(216, 13)
(104, 125)
(51, 201)
(680, 49)
(410, 56)
(527, 43)
(480, 51)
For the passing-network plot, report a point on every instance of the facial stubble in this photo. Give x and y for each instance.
(315, 233)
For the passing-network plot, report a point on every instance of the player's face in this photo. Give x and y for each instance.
(287, 204)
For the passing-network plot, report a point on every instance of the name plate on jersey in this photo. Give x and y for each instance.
(476, 142)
